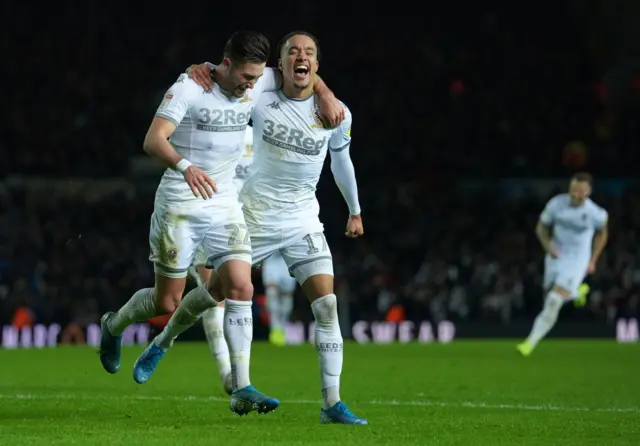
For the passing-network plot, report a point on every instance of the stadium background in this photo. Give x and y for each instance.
(466, 120)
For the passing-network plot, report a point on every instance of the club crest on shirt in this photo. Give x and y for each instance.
(317, 119)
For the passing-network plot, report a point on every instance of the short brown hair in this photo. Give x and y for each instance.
(583, 177)
(247, 46)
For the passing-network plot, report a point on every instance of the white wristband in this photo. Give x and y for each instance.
(183, 165)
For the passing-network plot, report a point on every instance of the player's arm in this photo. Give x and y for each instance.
(344, 175)
(543, 229)
(600, 240)
(156, 142)
(330, 107)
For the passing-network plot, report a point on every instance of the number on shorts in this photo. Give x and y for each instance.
(235, 231)
(312, 246)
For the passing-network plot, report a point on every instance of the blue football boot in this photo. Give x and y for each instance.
(110, 346)
(147, 362)
(339, 413)
(248, 398)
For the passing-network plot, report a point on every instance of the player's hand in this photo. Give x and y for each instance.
(201, 74)
(553, 252)
(592, 267)
(331, 110)
(199, 182)
(354, 226)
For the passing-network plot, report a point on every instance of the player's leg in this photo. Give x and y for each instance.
(187, 309)
(287, 287)
(172, 248)
(309, 259)
(271, 273)
(212, 323)
(561, 283)
(212, 320)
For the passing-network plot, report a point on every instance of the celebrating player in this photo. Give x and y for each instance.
(199, 136)
(572, 252)
(281, 209)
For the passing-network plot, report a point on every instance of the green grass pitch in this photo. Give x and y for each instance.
(467, 393)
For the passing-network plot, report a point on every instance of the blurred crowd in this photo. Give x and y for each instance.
(435, 101)
(72, 252)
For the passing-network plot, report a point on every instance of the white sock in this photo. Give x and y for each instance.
(273, 306)
(212, 322)
(190, 309)
(286, 306)
(139, 308)
(328, 339)
(238, 331)
(547, 317)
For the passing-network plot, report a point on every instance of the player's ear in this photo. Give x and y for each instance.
(226, 62)
(280, 64)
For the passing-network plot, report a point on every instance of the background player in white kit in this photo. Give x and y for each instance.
(279, 287)
(579, 237)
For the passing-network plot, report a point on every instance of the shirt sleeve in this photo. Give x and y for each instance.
(341, 137)
(600, 219)
(546, 217)
(175, 103)
(270, 80)
(341, 165)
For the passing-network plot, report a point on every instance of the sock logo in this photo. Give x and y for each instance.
(329, 347)
(241, 321)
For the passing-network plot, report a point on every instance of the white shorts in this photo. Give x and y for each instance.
(201, 258)
(180, 228)
(276, 273)
(304, 250)
(567, 273)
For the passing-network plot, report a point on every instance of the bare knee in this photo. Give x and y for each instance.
(167, 303)
(235, 280)
(242, 291)
(168, 293)
(318, 286)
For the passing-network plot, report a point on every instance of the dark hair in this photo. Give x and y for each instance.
(583, 177)
(247, 46)
(283, 41)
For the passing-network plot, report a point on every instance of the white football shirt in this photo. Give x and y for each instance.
(210, 130)
(243, 168)
(290, 145)
(573, 226)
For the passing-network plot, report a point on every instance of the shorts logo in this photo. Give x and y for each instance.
(172, 254)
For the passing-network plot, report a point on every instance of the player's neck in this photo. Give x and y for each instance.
(218, 76)
(292, 92)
